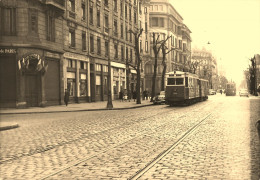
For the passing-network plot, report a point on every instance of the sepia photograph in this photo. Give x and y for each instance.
(129, 89)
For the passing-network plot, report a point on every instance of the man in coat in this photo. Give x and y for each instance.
(66, 97)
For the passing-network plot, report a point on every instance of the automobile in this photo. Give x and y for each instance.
(243, 92)
(160, 98)
(212, 92)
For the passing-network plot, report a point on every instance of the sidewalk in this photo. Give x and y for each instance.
(93, 106)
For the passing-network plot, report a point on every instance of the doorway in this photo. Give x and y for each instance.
(31, 90)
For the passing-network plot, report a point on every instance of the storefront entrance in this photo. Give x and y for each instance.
(31, 90)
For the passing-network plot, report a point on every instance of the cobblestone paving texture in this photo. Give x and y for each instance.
(42, 146)
(116, 144)
(226, 146)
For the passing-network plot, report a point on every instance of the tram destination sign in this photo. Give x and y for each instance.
(8, 51)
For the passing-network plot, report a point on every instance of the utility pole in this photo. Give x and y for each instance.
(109, 95)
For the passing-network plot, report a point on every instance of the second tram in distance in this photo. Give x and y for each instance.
(185, 88)
(231, 89)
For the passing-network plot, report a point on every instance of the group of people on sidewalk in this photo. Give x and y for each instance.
(124, 96)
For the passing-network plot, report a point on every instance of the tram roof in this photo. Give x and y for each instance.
(181, 73)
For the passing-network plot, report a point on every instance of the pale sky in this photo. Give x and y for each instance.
(231, 26)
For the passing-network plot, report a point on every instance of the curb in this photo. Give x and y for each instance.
(80, 110)
(3, 128)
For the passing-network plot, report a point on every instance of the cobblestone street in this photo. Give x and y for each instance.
(118, 144)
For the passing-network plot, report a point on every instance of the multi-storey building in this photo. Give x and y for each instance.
(167, 22)
(31, 51)
(96, 32)
(55, 45)
(205, 66)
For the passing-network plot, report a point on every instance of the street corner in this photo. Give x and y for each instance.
(8, 125)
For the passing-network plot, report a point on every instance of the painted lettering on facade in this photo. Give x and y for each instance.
(7, 51)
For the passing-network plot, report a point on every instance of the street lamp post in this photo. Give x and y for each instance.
(109, 95)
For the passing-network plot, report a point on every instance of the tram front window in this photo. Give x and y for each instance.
(179, 81)
(171, 81)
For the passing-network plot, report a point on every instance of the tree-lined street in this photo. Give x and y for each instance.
(118, 144)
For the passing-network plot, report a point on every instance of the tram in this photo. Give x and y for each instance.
(185, 87)
(231, 89)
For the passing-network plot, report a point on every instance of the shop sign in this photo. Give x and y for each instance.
(7, 51)
(75, 56)
(52, 55)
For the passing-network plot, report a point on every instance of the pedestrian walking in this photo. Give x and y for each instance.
(258, 90)
(134, 95)
(129, 96)
(145, 94)
(66, 97)
(121, 95)
(221, 91)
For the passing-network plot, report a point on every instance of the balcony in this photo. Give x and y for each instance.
(60, 4)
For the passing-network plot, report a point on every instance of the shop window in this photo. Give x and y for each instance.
(115, 87)
(8, 21)
(71, 83)
(98, 84)
(83, 85)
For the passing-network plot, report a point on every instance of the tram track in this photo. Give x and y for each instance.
(137, 135)
(150, 164)
(167, 151)
(42, 149)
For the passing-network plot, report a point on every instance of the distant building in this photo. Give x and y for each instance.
(205, 66)
(166, 22)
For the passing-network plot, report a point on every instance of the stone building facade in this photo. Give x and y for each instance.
(48, 46)
(165, 21)
(31, 51)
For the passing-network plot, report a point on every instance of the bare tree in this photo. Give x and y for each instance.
(164, 63)
(193, 65)
(157, 45)
(252, 76)
(137, 35)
